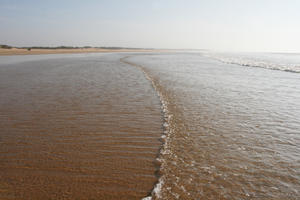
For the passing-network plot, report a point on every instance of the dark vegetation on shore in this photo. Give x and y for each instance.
(3, 46)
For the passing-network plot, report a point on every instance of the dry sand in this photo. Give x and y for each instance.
(15, 51)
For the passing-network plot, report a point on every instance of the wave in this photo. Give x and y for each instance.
(282, 62)
(156, 192)
(174, 133)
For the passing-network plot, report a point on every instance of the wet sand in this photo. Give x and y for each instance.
(79, 128)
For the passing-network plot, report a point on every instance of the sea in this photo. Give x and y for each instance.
(156, 125)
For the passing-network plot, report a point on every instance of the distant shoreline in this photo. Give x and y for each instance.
(37, 51)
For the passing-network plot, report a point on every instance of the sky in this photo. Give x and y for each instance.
(224, 25)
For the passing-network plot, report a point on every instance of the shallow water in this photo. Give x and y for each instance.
(232, 132)
(90, 127)
(86, 127)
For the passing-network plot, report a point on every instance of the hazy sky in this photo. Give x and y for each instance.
(239, 25)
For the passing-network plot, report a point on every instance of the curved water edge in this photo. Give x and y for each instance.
(168, 124)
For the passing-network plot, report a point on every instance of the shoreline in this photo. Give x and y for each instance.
(15, 51)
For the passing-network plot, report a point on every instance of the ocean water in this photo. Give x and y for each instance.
(187, 125)
(231, 131)
(276, 61)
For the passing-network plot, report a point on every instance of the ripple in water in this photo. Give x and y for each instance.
(231, 132)
(77, 128)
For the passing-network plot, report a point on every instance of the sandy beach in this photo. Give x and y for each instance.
(16, 51)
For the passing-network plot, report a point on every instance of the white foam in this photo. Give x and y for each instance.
(157, 189)
(147, 198)
(165, 149)
(267, 61)
(167, 132)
